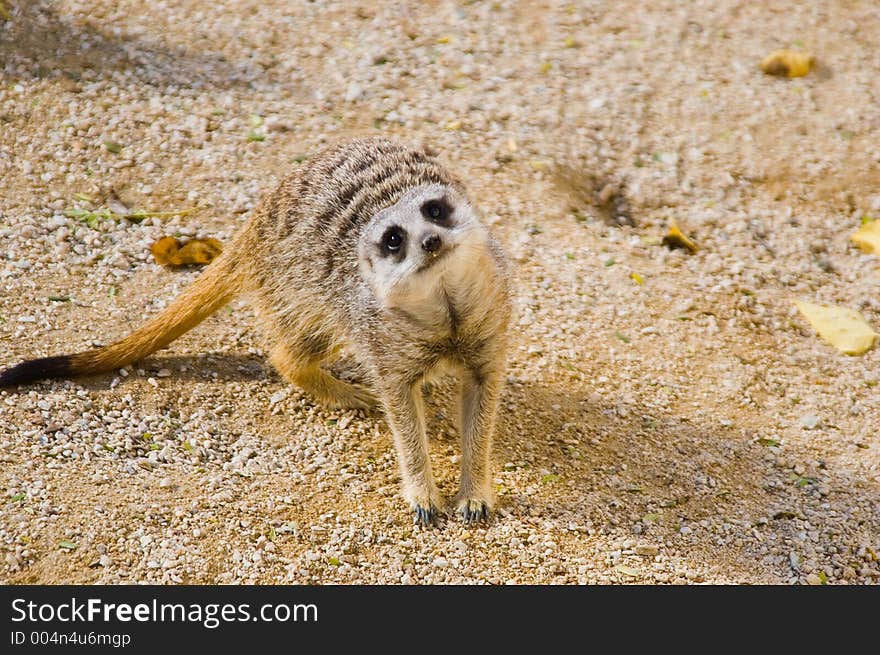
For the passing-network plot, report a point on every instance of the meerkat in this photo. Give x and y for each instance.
(374, 247)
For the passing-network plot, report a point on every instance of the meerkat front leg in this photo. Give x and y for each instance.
(479, 404)
(405, 412)
(305, 371)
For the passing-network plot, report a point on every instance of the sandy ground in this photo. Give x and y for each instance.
(667, 418)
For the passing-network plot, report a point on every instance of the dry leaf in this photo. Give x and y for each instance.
(164, 249)
(843, 328)
(867, 237)
(199, 251)
(787, 63)
(168, 251)
(675, 238)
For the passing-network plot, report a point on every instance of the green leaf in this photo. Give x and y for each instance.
(67, 545)
(253, 135)
(823, 578)
(334, 561)
(622, 337)
(59, 298)
(549, 478)
(764, 441)
(650, 518)
(91, 218)
(16, 498)
(113, 147)
(256, 120)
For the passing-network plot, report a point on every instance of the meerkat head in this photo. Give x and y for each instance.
(431, 233)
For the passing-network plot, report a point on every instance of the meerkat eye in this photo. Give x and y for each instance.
(436, 211)
(392, 240)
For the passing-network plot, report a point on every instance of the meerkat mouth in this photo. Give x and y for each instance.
(433, 258)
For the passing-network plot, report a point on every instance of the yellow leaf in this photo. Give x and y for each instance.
(787, 63)
(638, 279)
(843, 328)
(867, 237)
(675, 238)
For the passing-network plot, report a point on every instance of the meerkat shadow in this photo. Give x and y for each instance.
(599, 449)
(219, 367)
(205, 367)
(638, 470)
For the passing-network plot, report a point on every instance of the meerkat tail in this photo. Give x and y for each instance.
(215, 287)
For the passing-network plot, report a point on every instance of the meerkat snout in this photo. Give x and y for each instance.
(431, 243)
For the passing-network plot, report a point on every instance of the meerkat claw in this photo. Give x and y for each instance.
(425, 516)
(474, 512)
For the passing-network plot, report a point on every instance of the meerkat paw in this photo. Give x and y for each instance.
(425, 516)
(425, 507)
(474, 509)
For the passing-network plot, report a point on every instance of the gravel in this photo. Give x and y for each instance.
(668, 417)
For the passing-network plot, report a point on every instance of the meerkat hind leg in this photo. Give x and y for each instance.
(305, 372)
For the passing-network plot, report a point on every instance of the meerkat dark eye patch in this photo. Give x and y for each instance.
(392, 240)
(437, 211)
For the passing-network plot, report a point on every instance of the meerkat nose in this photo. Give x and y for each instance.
(431, 243)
